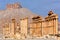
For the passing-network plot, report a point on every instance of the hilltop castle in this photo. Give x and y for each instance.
(18, 22)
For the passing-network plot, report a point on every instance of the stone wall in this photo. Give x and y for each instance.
(38, 27)
(46, 26)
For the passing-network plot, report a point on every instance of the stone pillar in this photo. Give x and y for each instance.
(38, 29)
(12, 28)
(24, 26)
(34, 29)
(6, 31)
(18, 31)
(41, 28)
(44, 28)
(56, 26)
(51, 27)
(30, 29)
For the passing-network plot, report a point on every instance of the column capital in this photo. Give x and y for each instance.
(13, 20)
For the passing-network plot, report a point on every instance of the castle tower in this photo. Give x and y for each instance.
(14, 6)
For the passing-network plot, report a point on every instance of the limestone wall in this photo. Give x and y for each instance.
(36, 28)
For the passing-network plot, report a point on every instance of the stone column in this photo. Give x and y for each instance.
(24, 26)
(41, 28)
(50, 30)
(6, 31)
(18, 32)
(44, 28)
(34, 29)
(12, 28)
(56, 26)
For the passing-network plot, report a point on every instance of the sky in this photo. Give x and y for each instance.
(40, 7)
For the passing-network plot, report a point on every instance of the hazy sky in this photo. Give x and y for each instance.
(41, 7)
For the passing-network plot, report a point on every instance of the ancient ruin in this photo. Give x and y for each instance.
(18, 22)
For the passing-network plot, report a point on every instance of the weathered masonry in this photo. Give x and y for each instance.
(38, 27)
(21, 23)
(47, 26)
